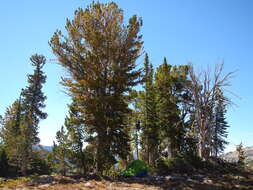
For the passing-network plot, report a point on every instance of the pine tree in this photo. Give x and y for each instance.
(61, 152)
(99, 54)
(11, 134)
(4, 165)
(77, 138)
(170, 84)
(150, 130)
(32, 105)
(220, 126)
(241, 154)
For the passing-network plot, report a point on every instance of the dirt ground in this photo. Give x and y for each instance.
(171, 182)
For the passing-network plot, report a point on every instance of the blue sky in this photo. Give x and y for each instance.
(204, 32)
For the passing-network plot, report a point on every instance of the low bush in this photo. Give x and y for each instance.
(165, 166)
(137, 168)
(13, 183)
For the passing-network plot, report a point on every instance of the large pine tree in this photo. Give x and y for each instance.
(99, 53)
(30, 107)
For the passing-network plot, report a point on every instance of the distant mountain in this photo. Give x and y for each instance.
(233, 156)
(42, 147)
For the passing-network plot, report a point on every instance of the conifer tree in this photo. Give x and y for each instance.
(170, 85)
(33, 97)
(77, 137)
(241, 154)
(32, 104)
(220, 126)
(61, 152)
(4, 165)
(150, 130)
(204, 89)
(99, 54)
(11, 134)
(168, 113)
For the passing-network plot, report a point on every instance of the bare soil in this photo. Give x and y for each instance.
(173, 182)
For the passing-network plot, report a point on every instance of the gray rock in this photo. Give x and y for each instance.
(44, 186)
(174, 178)
(44, 179)
(199, 176)
(209, 181)
(88, 184)
(192, 180)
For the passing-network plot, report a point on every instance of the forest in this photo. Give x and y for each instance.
(167, 119)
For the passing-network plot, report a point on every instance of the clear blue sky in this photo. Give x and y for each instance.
(202, 31)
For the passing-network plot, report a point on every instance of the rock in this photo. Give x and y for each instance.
(199, 176)
(192, 180)
(174, 178)
(88, 184)
(82, 179)
(238, 177)
(209, 181)
(44, 179)
(157, 178)
(44, 186)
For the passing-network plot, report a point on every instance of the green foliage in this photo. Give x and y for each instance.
(13, 183)
(112, 172)
(77, 136)
(137, 168)
(241, 155)
(100, 59)
(20, 123)
(165, 166)
(169, 117)
(4, 165)
(150, 132)
(170, 83)
(61, 152)
(220, 132)
(40, 164)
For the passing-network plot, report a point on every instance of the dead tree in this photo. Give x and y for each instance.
(204, 86)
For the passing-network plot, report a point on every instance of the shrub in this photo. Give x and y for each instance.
(137, 168)
(165, 166)
(195, 161)
(13, 183)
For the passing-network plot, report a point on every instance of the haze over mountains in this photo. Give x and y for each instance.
(233, 156)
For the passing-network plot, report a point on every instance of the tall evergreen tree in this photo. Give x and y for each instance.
(32, 104)
(170, 84)
(150, 129)
(99, 53)
(168, 113)
(220, 126)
